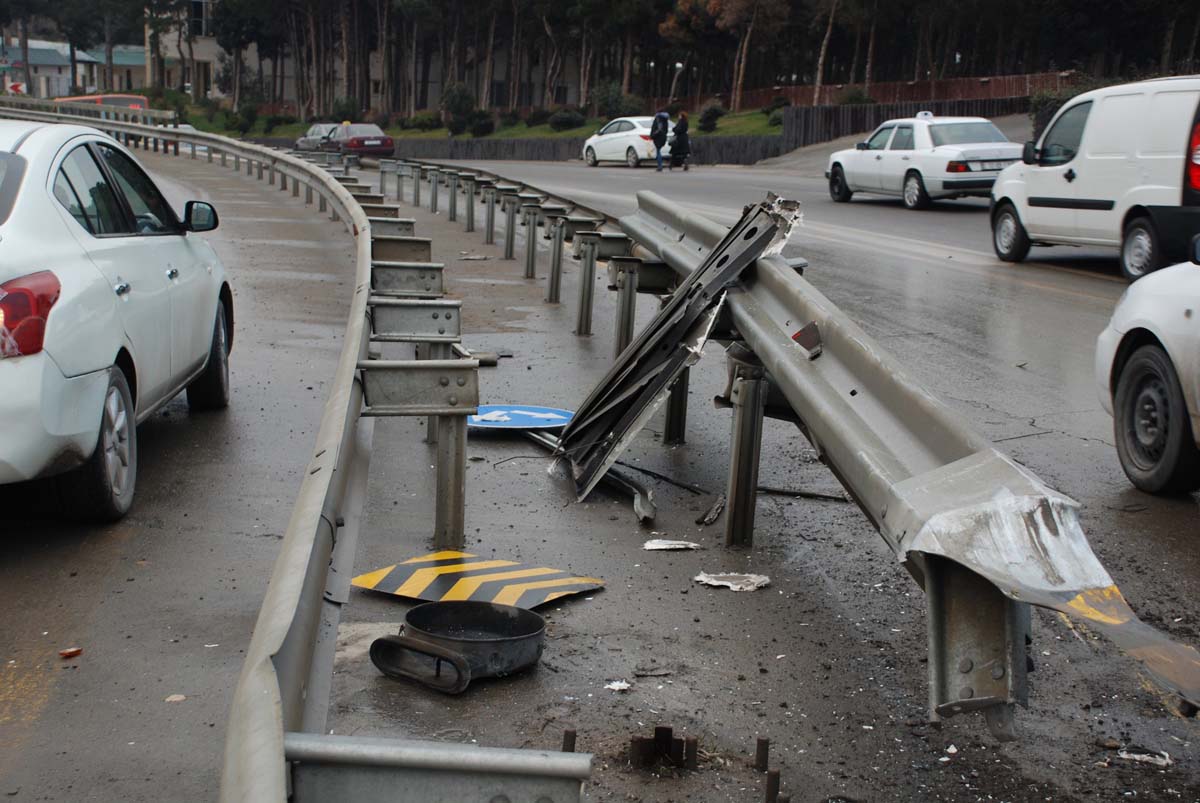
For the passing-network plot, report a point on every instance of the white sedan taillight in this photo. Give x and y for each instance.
(25, 303)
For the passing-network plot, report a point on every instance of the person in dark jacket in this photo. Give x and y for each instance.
(681, 148)
(658, 135)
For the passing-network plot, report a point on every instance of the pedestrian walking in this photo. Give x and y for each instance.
(658, 135)
(681, 148)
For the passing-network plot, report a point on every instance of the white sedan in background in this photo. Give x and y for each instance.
(109, 307)
(1148, 372)
(625, 139)
(923, 158)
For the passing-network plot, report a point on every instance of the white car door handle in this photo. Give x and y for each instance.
(121, 288)
(904, 158)
(173, 273)
(877, 158)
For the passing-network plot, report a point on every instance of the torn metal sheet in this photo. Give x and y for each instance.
(643, 498)
(734, 582)
(639, 381)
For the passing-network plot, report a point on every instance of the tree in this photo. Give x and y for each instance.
(234, 24)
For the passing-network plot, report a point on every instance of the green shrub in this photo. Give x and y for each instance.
(273, 121)
(775, 118)
(566, 119)
(384, 121)
(611, 102)
(710, 112)
(457, 125)
(247, 116)
(854, 96)
(536, 117)
(346, 109)
(1044, 105)
(426, 121)
(457, 101)
(509, 119)
(210, 108)
(777, 102)
(481, 123)
(674, 109)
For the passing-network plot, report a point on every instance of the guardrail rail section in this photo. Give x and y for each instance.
(277, 745)
(984, 537)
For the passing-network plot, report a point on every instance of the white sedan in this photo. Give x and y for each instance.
(923, 158)
(625, 139)
(109, 307)
(1148, 370)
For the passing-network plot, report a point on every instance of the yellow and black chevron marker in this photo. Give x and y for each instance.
(446, 576)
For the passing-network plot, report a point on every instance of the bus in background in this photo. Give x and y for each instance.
(127, 101)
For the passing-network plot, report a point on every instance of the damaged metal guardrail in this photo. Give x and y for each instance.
(983, 536)
(277, 746)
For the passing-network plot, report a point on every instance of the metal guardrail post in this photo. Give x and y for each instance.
(489, 216)
(554, 280)
(308, 195)
(452, 179)
(469, 197)
(529, 213)
(587, 284)
(675, 424)
(417, 186)
(450, 514)
(270, 174)
(510, 224)
(401, 171)
(193, 147)
(433, 190)
(627, 280)
(295, 188)
(749, 399)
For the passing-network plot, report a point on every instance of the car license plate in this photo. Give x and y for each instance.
(372, 142)
(992, 165)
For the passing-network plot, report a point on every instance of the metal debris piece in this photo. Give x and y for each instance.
(655, 544)
(714, 511)
(640, 380)
(772, 491)
(734, 582)
(643, 497)
(1159, 758)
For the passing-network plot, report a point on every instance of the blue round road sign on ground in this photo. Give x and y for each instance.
(519, 416)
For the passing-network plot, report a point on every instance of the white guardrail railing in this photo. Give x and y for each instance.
(277, 746)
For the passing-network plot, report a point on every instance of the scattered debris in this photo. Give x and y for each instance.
(735, 582)
(687, 486)
(1158, 758)
(770, 491)
(951, 749)
(714, 511)
(664, 746)
(665, 543)
(651, 672)
(70, 652)
(175, 698)
(618, 685)
(474, 258)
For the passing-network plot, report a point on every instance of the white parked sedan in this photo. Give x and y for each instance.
(109, 307)
(1148, 370)
(923, 158)
(625, 139)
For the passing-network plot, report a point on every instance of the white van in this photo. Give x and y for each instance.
(1118, 166)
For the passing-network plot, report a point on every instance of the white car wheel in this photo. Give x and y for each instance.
(102, 488)
(589, 156)
(631, 158)
(914, 192)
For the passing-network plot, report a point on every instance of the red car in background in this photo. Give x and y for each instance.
(361, 139)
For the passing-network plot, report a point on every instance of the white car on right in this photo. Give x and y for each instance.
(1148, 373)
(922, 159)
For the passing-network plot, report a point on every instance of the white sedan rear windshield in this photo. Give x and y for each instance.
(965, 133)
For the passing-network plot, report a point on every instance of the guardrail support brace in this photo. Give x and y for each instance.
(489, 216)
(554, 281)
(749, 399)
(675, 426)
(627, 279)
(587, 287)
(453, 213)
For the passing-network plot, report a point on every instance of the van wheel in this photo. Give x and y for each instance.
(101, 490)
(1140, 253)
(1153, 432)
(915, 196)
(839, 191)
(589, 156)
(631, 158)
(1008, 235)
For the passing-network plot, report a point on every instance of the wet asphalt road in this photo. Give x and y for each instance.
(163, 602)
(828, 661)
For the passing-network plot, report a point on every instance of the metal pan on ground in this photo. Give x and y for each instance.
(519, 416)
(446, 645)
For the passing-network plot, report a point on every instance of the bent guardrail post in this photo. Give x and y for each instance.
(983, 536)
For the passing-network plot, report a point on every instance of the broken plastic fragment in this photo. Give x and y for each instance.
(1159, 758)
(665, 543)
(735, 582)
(175, 698)
(618, 685)
(70, 652)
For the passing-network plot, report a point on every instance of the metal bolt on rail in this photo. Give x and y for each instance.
(529, 215)
(554, 280)
(627, 281)
(452, 179)
(587, 283)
